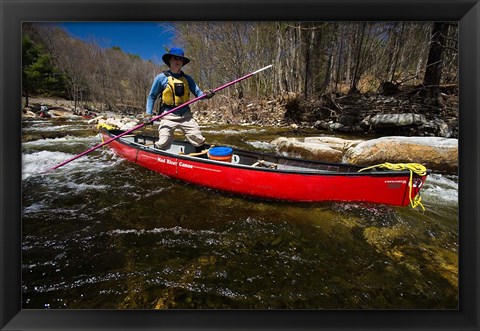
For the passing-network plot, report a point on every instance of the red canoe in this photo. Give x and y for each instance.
(269, 176)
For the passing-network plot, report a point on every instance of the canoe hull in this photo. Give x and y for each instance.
(390, 188)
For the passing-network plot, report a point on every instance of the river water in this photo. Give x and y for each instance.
(103, 233)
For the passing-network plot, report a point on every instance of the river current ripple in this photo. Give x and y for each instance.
(103, 233)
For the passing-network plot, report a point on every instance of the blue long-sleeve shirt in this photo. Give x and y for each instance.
(161, 82)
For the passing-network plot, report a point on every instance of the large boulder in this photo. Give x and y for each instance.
(440, 154)
(333, 142)
(327, 149)
(436, 153)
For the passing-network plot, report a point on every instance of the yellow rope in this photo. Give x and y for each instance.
(413, 168)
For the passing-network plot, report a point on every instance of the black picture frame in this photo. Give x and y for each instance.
(13, 13)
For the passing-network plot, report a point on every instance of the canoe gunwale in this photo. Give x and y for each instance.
(261, 155)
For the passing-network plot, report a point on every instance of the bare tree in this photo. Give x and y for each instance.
(433, 71)
(310, 58)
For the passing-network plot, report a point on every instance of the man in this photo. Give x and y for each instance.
(174, 87)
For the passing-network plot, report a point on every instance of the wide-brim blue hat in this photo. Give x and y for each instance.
(175, 51)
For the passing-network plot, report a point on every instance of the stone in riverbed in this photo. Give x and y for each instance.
(396, 120)
(336, 143)
(436, 153)
(313, 150)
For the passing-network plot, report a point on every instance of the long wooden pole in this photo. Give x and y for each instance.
(156, 118)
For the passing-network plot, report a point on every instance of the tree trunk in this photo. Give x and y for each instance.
(396, 52)
(358, 60)
(433, 71)
(309, 75)
(26, 99)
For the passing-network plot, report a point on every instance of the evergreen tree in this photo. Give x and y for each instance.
(38, 74)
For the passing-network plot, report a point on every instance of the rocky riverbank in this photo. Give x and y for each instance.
(415, 133)
(405, 113)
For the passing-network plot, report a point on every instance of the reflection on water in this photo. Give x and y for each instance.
(101, 232)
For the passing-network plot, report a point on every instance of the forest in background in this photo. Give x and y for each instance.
(311, 60)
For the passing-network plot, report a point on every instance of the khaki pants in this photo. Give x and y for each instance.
(186, 123)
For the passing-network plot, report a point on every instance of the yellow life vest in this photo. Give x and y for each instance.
(177, 91)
